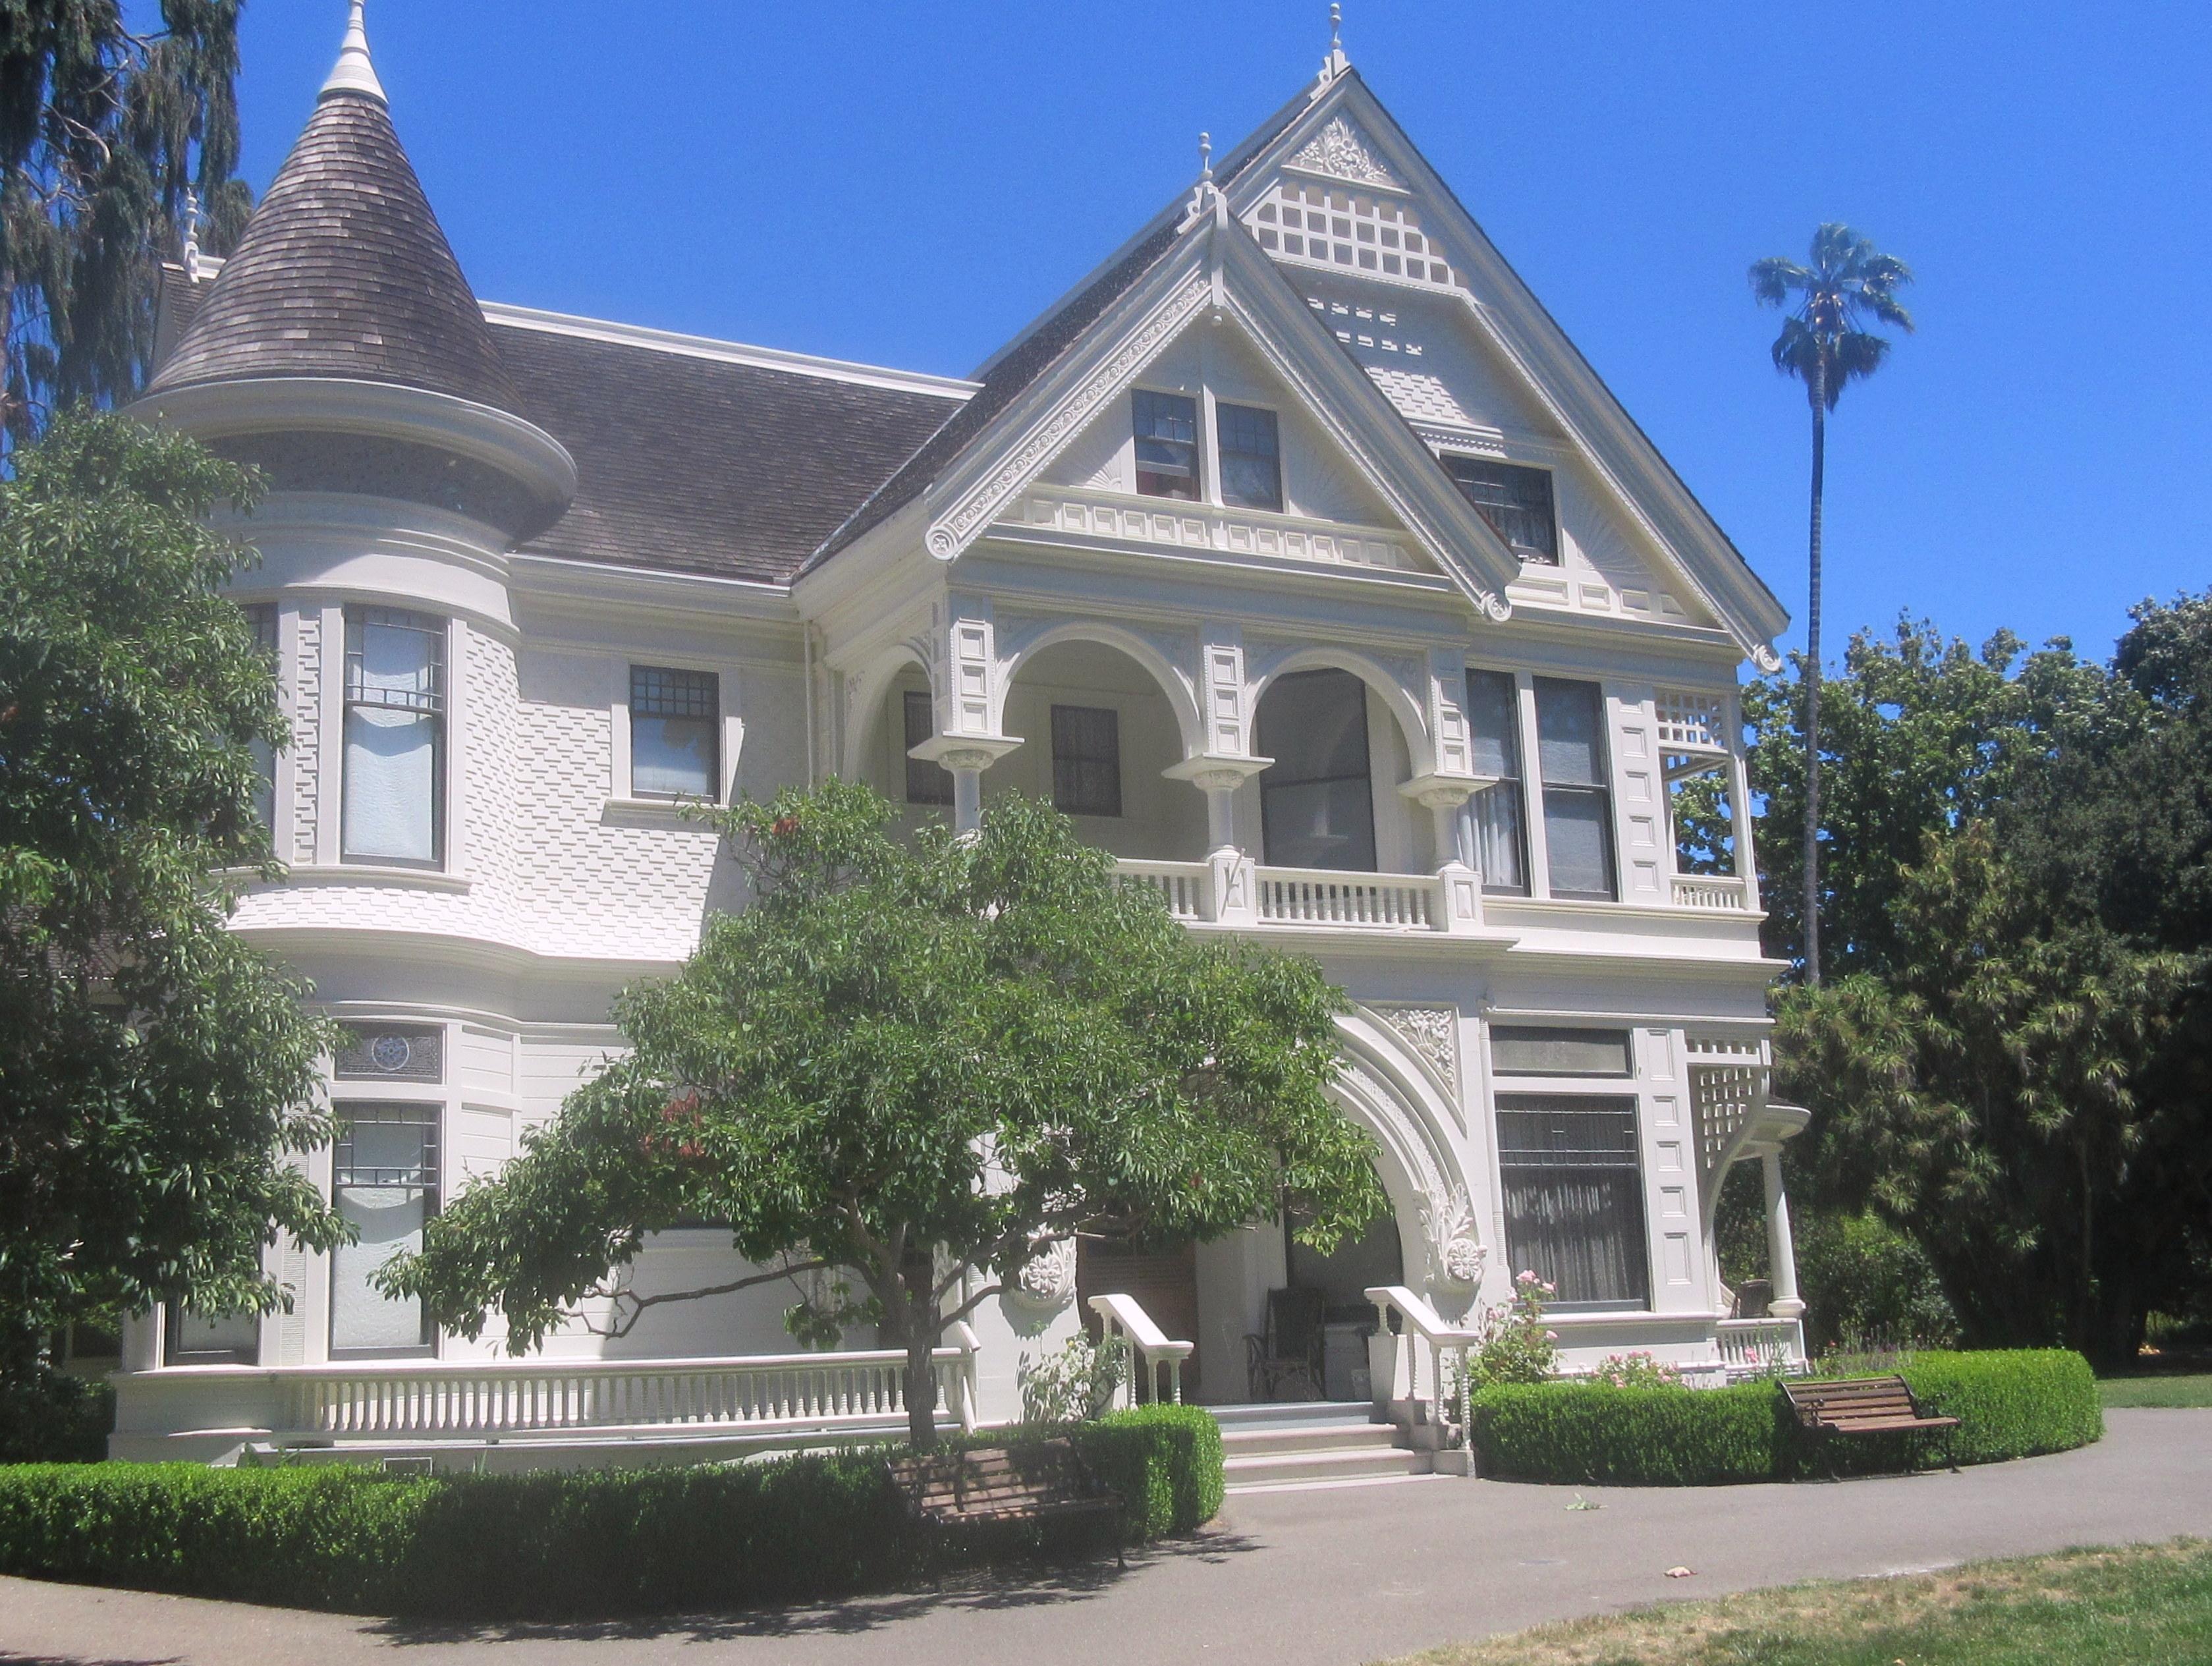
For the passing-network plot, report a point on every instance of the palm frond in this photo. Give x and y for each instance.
(1773, 279)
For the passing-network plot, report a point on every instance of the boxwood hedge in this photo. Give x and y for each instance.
(2013, 1403)
(588, 1542)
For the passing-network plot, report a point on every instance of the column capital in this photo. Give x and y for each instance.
(1436, 791)
(1217, 772)
(964, 751)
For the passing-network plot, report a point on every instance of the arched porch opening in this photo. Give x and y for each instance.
(892, 709)
(1344, 738)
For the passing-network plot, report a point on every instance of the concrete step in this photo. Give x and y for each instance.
(1336, 1464)
(1276, 1412)
(1306, 1437)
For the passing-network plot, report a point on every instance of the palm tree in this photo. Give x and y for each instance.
(1847, 284)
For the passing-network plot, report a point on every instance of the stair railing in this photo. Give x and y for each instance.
(1422, 1338)
(1122, 1317)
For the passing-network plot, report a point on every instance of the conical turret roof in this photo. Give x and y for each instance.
(343, 271)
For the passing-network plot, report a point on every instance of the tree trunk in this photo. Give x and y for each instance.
(920, 1386)
(1812, 924)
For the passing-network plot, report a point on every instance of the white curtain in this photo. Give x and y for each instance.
(391, 745)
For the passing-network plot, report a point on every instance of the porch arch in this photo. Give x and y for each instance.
(1412, 723)
(1173, 685)
(1387, 1091)
(863, 699)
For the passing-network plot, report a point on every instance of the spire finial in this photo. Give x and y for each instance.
(1336, 63)
(1205, 193)
(192, 260)
(1206, 159)
(353, 72)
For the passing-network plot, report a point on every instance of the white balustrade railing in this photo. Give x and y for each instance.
(1424, 1342)
(1122, 1317)
(1183, 885)
(504, 1398)
(1711, 891)
(1242, 532)
(1322, 896)
(1752, 1347)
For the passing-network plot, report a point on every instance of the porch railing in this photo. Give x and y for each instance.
(1321, 896)
(1750, 1348)
(1122, 1315)
(1184, 886)
(506, 1399)
(1424, 1342)
(1709, 890)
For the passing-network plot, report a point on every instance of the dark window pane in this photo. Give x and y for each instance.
(225, 1339)
(1167, 444)
(1516, 502)
(1494, 727)
(1578, 831)
(1570, 746)
(1086, 761)
(675, 720)
(1317, 802)
(1577, 808)
(1541, 1050)
(1574, 1196)
(926, 782)
(1251, 464)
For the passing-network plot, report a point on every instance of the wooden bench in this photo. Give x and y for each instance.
(1861, 1406)
(1045, 1481)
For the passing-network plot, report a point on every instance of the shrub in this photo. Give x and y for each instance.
(1076, 1384)
(49, 1417)
(1515, 1347)
(1634, 1371)
(2014, 1403)
(549, 1545)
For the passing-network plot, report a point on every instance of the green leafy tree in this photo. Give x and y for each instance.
(154, 1069)
(1825, 342)
(105, 132)
(906, 1062)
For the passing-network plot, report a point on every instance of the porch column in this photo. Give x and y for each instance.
(1219, 777)
(1781, 1248)
(1459, 886)
(965, 757)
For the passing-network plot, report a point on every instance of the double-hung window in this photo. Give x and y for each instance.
(395, 737)
(385, 1184)
(675, 720)
(1501, 843)
(1251, 457)
(1086, 761)
(1317, 802)
(1167, 444)
(1577, 803)
(262, 617)
(1516, 501)
(227, 1339)
(1574, 1195)
(926, 782)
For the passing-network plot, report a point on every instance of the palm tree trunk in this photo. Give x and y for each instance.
(1813, 683)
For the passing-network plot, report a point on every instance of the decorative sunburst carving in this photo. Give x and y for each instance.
(1342, 151)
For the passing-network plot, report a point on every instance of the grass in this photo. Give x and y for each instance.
(2145, 1605)
(2156, 1388)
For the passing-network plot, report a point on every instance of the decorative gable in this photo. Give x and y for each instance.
(1340, 151)
(1335, 203)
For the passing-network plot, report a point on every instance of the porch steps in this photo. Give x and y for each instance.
(1315, 1444)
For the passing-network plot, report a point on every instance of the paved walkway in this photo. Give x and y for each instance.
(1321, 1579)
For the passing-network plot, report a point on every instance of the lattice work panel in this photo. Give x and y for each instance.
(1691, 720)
(1727, 1082)
(1347, 229)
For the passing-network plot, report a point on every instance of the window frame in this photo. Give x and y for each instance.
(1223, 452)
(1529, 554)
(173, 1353)
(381, 1109)
(1534, 1095)
(1518, 781)
(1061, 791)
(1137, 436)
(268, 635)
(439, 629)
(1600, 791)
(712, 717)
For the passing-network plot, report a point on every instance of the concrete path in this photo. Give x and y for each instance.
(1318, 1578)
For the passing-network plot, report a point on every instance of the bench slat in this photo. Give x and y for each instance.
(1868, 1405)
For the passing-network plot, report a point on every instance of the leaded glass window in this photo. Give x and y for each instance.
(384, 1181)
(395, 737)
(675, 727)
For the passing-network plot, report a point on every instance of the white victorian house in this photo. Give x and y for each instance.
(1295, 553)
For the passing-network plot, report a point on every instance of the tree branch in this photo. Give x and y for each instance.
(630, 1301)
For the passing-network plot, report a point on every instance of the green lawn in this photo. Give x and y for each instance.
(2149, 1605)
(2156, 1388)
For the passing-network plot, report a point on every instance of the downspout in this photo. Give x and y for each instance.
(807, 663)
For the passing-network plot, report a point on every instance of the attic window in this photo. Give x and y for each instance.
(1516, 502)
(1251, 457)
(1167, 445)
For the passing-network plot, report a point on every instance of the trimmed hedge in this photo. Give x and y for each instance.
(2010, 1404)
(49, 1417)
(592, 1542)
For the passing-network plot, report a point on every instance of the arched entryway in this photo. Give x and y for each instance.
(1329, 799)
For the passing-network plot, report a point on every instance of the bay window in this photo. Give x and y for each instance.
(395, 737)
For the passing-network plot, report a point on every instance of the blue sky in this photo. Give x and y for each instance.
(908, 184)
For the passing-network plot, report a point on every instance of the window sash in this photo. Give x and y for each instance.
(393, 798)
(227, 1339)
(1166, 433)
(1572, 1174)
(675, 730)
(1497, 813)
(1086, 760)
(926, 782)
(384, 1181)
(1571, 756)
(1251, 457)
(1516, 499)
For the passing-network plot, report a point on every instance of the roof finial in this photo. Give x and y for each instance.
(1336, 63)
(1202, 195)
(353, 72)
(191, 261)
(1206, 159)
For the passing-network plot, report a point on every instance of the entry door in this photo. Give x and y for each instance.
(1164, 1283)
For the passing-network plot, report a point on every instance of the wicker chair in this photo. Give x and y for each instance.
(1288, 1351)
